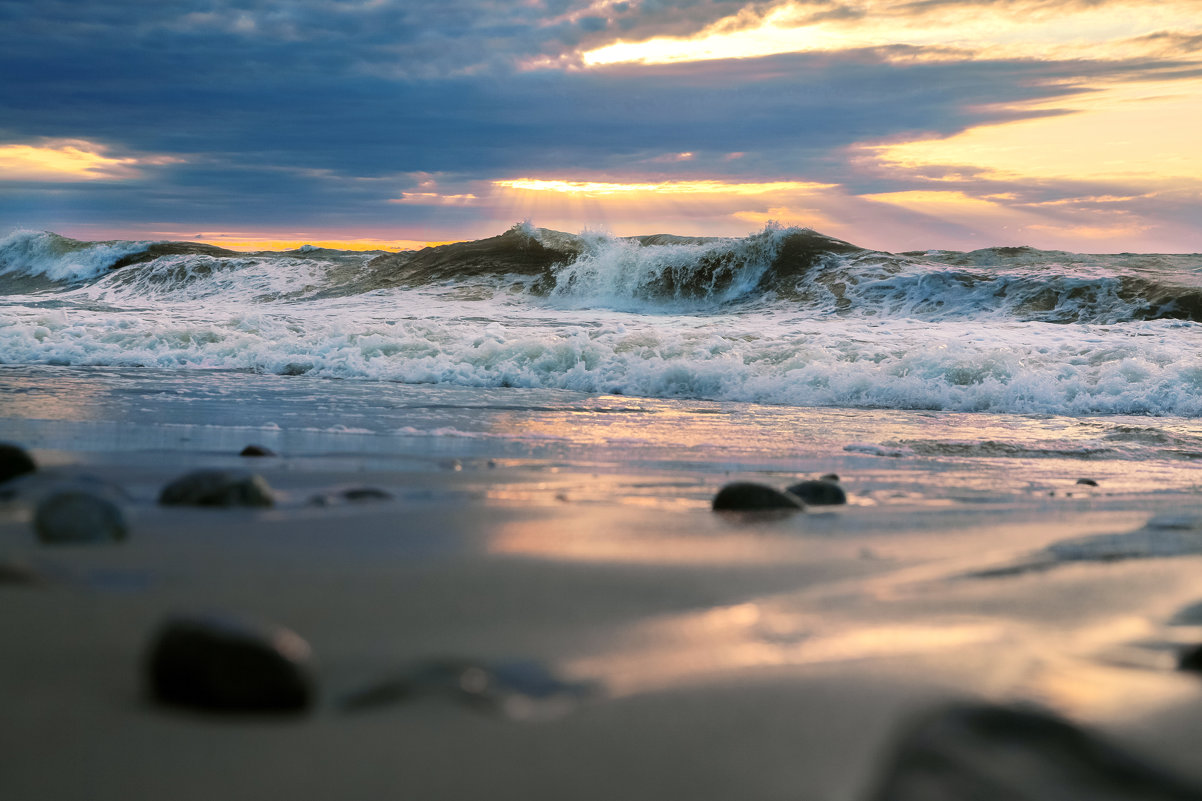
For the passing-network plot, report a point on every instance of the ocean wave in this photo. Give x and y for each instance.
(795, 268)
(965, 366)
(26, 255)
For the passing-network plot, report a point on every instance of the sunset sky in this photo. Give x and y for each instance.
(896, 125)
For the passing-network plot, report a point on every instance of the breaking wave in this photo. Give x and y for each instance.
(809, 271)
(785, 316)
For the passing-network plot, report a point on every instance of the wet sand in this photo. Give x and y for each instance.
(726, 656)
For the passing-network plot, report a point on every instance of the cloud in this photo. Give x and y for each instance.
(407, 115)
(51, 161)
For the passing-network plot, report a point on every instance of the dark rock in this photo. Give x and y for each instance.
(14, 461)
(1089, 482)
(217, 488)
(746, 496)
(295, 368)
(518, 689)
(74, 516)
(1191, 659)
(1001, 753)
(829, 476)
(819, 493)
(257, 450)
(18, 573)
(224, 664)
(350, 495)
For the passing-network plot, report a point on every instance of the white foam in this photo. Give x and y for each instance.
(765, 356)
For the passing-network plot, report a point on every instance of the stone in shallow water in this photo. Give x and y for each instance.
(220, 663)
(257, 450)
(1087, 482)
(1191, 659)
(336, 497)
(982, 752)
(74, 516)
(19, 573)
(217, 488)
(520, 689)
(747, 496)
(819, 493)
(14, 461)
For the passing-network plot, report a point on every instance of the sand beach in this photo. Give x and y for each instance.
(635, 643)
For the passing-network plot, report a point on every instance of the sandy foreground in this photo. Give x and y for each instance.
(725, 657)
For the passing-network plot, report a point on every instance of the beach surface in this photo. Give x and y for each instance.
(668, 651)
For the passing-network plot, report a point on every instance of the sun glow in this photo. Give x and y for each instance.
(600, 188)
(71, 160)
(1011, 30)
(1139, 136)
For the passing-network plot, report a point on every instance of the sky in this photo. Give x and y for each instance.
(892, 124)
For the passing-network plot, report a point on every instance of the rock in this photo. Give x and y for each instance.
(217, 488)
(349, 495)
(518, 689)
(819, 493)
(1089, 482)
(747, 496)
(1002, 753)
(75, 516)
(19, 573)
(1191, 659)
(257, 450)
(14, 461)
(829, 477)
(225, 664)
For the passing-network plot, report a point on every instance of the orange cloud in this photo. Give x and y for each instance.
(60, 161)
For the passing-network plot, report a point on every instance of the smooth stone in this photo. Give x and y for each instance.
(985, 752)
(1191, 659)
(257, 450)
(1089, 482)
(350, 495)
(18, 573)
(226, 664)
(829, 477)
(217, 488)
(75, 516)
(517, 689)
(14, 461)
(747, 496)
(819, 493)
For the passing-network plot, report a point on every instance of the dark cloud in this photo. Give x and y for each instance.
(323, 110)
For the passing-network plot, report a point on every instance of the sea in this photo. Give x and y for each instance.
(1006, 369)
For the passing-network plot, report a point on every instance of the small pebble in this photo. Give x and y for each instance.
(224, 664)
(18, 573)
(746, 496)
(1089, 482)
(14, 461)
(1191, 659)
(819, 493)
(75, 516)
(349, 495)
(217, 488)
(257, 450)
(518, 689)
